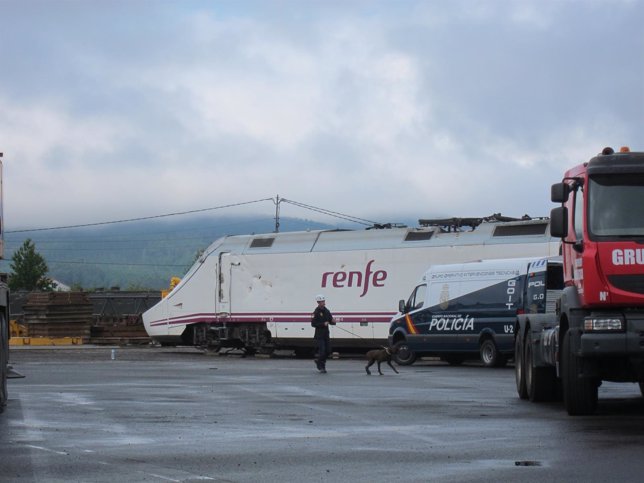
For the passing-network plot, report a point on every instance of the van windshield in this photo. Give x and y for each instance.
(417, 297)
(616, 205)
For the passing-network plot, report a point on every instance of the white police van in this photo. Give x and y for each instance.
(468, 310)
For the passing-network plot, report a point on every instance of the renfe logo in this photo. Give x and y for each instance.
(628, 256)
(356, 279)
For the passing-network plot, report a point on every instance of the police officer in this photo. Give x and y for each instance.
(321, 319)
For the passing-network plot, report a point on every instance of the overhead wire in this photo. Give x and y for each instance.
(324, 211)
(332, 213)
(142, 218)
(208, 232)
(336, 214)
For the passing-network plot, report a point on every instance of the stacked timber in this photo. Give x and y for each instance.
(58, 314)
(117, 316)
(122, 329)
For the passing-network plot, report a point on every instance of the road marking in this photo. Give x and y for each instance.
(42, 448)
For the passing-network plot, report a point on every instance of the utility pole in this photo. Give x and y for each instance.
(277, 214)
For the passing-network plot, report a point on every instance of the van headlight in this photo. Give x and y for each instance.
(603, 323)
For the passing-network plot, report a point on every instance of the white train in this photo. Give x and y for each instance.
(257, 292)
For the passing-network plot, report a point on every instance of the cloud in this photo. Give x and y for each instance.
(378, 109)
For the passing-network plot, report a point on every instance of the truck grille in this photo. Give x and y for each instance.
(551, 300)
(629, 283)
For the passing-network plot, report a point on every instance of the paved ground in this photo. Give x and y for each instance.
(180, 415)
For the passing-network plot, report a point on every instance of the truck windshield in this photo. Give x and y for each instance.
(616, 205)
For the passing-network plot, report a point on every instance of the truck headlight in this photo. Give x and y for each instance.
(598, 323)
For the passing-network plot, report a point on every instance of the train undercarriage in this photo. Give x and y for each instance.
(249, 338)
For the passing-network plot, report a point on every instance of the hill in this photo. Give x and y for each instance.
(137, 255)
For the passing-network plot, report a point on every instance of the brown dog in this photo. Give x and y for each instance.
(379, 356)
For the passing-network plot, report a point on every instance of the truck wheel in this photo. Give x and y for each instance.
(490, 354)
(404, 356)
(519, 367)
(580, 393)
(642, 388)
(541, 382)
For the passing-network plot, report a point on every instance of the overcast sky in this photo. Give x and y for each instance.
(379, 109)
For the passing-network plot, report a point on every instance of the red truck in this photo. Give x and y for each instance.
(596, 332)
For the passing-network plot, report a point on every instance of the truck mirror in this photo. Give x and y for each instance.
(559, 222)
(401, 306)
(559, 192)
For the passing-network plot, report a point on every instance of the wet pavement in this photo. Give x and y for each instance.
(162, 414)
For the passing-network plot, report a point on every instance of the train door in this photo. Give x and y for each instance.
(225, 269)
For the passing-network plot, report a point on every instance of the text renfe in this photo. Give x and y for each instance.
(343, 279)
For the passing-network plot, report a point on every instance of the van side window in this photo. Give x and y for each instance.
(417, 297)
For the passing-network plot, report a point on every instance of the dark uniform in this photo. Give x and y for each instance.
(321, 319)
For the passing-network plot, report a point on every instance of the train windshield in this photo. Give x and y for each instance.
(616, 206)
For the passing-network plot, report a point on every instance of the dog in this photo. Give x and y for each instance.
(380, 355)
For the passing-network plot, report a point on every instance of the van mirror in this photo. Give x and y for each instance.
(559, 222)
(401, 307)
(559, 192)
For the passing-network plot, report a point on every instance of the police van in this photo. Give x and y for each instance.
(468, 310)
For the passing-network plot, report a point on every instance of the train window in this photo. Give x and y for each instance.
(262, 242)
(418, 235)
(518, 230)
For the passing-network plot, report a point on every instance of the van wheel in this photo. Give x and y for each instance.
(404, 356)
(490, 354)
(642, 388)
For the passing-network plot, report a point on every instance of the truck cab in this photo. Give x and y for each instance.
(597, 331)
(601, 223)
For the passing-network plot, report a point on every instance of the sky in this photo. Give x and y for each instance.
(383, 110)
